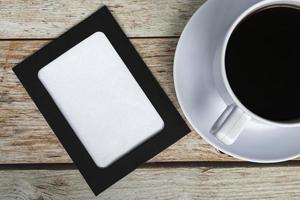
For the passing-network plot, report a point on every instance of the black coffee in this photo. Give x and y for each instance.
(263, 63)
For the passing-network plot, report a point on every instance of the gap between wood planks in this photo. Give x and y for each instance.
(50, 39)
(214, 164)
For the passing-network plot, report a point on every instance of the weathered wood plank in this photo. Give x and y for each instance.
(158, 183)
(139, 18)
(25, 136)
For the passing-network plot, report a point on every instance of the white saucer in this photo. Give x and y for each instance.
(199, 99)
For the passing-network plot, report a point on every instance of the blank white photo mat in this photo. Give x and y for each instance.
(100, 99)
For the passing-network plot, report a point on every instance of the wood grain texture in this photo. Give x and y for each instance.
(138, 18)
(25, 136)
(157, 183)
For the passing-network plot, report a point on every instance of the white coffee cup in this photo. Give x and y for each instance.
(233, 120)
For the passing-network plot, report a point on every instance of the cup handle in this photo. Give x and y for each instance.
(230, 124)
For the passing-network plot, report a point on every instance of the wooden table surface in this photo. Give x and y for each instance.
(33, 164)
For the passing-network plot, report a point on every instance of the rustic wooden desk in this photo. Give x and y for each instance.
(33, 164)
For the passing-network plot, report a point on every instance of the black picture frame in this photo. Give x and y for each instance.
(101, 178)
